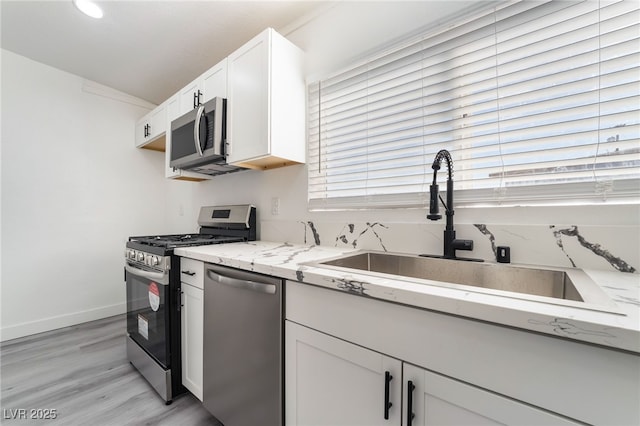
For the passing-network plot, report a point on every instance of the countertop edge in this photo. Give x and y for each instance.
(289, 261)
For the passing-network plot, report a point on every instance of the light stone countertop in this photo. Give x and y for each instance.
(616, 330)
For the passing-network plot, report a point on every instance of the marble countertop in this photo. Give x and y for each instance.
(619, 330)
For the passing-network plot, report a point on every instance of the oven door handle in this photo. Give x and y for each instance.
(196, 130)
(159, 277)
(241, 283)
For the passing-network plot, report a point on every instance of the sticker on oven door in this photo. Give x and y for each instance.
(154, 296)
(143, 327)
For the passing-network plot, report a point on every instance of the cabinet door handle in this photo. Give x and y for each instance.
(410, 414)
(194, 100)
(387, 379)
(190, 273)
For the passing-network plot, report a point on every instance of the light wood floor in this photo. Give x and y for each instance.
(82, 372)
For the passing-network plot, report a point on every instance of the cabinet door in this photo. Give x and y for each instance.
(332, 382)
(439, 400)
(141, 131)
(158, 121)
(192, 316)
(247, 107)
(187, 96)
(214, 82)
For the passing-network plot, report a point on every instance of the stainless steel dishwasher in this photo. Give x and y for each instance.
(243, 347)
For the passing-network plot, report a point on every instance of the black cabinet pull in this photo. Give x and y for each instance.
(147, 130)
(196, 99)
(190, 273)
(387, 378)
(410, 414)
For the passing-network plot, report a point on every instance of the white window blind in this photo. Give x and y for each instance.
(537, 102)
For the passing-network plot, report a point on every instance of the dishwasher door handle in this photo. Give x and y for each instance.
(243, 284)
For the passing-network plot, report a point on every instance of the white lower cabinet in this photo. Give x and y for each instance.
(439, 400)
(192, 325)
(333, 382)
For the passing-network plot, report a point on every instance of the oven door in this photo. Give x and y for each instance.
(148, 312)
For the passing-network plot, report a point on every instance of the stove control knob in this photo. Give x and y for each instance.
(140, 257)
(131, 254)
(155, 261)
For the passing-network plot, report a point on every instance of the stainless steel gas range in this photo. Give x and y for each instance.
(152, 275)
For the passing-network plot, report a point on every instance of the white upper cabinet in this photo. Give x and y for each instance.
(211, 84)
(151, 128)
(266, 103)
(263, 83)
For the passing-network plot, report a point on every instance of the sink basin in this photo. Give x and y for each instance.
(570, 287)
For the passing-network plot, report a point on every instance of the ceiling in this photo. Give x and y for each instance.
(152, 48)
(149, 49)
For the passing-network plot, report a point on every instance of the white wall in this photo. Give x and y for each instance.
(73, 189)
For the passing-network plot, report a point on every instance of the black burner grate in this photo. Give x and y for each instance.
(183, 240)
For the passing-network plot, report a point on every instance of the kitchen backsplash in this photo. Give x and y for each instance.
(561, 245)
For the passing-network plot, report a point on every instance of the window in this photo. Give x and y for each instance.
(537, 103)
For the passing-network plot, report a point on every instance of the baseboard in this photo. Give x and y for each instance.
(61, 321)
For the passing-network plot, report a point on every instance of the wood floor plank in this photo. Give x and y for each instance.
(83, 373)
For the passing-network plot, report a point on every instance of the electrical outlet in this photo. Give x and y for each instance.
(275, 206)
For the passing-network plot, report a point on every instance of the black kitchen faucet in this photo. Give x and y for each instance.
(451, 243)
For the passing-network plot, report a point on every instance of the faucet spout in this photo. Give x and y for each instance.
(451, 243)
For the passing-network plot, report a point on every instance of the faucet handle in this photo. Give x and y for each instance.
(462, 244)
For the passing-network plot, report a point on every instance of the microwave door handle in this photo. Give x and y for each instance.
(196, 130)
(218, 116)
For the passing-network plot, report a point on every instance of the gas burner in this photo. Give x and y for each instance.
(226, 224)
(173, 241)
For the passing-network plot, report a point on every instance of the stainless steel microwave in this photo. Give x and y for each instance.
(198, 139)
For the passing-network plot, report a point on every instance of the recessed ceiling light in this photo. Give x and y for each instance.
(89, 8)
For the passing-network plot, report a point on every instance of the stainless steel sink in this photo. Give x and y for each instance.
(570, 287)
